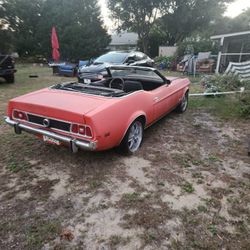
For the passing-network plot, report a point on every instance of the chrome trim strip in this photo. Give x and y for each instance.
(74, 143)
(29, 113)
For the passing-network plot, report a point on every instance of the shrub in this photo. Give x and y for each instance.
(224, 83)
(245, 105)
(166, 62)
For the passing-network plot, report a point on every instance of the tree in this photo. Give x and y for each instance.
(22, 17)
(240, 22)
(78, 23)
(186, 17)
(137, 15)
(79, 27)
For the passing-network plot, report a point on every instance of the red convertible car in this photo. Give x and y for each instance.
(109, 113)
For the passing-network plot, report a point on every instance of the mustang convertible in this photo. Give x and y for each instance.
(109, 113)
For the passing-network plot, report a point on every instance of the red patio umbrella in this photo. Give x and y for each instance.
(55, 45)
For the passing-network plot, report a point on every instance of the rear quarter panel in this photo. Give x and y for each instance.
(111, 121)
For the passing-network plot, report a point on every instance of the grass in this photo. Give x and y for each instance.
(15, 165)
(131, 197)
(41, 232)
(226, 107)
(213, 230)
(188, 187)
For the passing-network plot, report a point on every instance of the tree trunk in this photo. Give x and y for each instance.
(145, 44)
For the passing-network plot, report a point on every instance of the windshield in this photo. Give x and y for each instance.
(111, 58)
(134, 72)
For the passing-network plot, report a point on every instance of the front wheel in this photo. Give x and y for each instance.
(182, 107)
(133, 138)
(10, 78)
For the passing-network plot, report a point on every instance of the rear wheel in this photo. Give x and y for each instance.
(182, 107)
(10, 78)
(133, 138)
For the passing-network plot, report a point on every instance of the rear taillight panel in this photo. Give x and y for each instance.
(76, 129)
(82, 130)
(20, 115)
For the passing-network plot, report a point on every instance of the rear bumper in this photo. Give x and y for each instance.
(74, 144)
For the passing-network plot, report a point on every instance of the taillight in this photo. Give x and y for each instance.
(81, 130)
(20, 115)
(74, 128)
(88, 132)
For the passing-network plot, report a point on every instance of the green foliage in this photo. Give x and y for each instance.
(138, 16)
(227, 107)
(131, 197)
(213, 230)
(156, 38)
(225, 25)
(196, 45)
(77, 22)
(188, 187)
(168, 61)
(224, 82)
(40, 233)
(245, 105)
(183, 18)
(165, 22)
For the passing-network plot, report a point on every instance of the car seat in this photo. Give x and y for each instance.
(131, 86)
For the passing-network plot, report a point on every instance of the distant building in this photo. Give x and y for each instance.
(123, 41)
(234, 47)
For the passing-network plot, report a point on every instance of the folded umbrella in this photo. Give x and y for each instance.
(55, 45)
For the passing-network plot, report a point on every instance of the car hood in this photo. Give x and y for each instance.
(58, 104)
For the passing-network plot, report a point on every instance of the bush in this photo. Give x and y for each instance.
(194, 47)
(222, 83)
(245, 105)
(166, 62)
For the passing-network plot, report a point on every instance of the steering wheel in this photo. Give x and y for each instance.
(116, 83)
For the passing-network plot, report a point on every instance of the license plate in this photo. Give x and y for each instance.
(87, 81)
(51, 140)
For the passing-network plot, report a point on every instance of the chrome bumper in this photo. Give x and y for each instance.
(74, 144)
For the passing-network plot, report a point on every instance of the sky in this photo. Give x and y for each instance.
(234, 9)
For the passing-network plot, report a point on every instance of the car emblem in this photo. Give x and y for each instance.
(46, 123)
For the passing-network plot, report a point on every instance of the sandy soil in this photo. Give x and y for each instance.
(187, 188)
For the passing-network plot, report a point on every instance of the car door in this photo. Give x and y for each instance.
(165, 99)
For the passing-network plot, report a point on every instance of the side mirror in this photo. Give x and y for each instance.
(130, 61)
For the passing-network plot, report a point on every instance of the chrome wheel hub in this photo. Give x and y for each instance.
(184, 103)
(135, 136)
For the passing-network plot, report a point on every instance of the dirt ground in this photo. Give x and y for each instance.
(188, 187)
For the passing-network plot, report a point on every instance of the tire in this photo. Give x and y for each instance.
(182, 107)
(133, 138)
(10, 78)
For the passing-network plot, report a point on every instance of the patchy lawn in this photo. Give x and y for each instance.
(187, 188)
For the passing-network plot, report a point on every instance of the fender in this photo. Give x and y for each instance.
(133, 117)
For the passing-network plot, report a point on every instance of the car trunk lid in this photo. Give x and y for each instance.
(57, 104)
